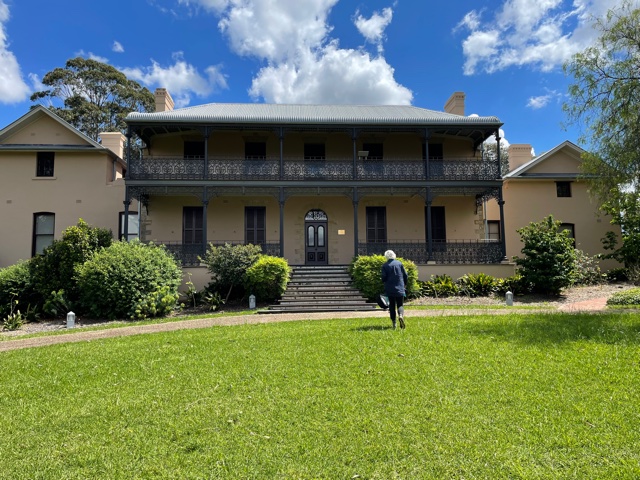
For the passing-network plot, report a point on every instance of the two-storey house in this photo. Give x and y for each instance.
(319, 184)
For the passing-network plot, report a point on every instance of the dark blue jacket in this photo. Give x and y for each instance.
(394, 277)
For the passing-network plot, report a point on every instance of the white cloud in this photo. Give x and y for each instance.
(13, 88)
(92, 56)
(539, 33)
(117, 47)
(372, 29)
(542, 101)
(275, 30)
(362, 80)
(304, 65)
(504, 143)
(181, 79)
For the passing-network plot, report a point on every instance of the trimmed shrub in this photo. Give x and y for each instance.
(476, 285)
(129, 280)
(440, 286)
(53, 272)
(549, 260)
(267, 278)
(628, 297)
(366, 273)
(228, 265)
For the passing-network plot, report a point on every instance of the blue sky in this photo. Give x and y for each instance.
(506, 55)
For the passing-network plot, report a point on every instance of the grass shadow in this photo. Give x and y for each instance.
(372, 328)
(559, 328)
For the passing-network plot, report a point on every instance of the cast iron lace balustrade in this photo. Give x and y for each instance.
(297, 169)
(447, 252)
(188, 254)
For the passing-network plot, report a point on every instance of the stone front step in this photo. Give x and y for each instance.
(320, 289)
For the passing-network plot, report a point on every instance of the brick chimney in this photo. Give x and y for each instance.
(519, 154)
(114, 141)
(164, 102)
(455, 104)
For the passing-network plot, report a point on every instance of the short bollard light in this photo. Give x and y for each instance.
(252, 301)
(509, 299)
(71, 320)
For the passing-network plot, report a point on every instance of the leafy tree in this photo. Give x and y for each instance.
(96, 97)
(489, 151)
(624, 209)
(605, 99)
(549, 260)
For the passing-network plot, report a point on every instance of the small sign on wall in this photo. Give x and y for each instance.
(341, 232)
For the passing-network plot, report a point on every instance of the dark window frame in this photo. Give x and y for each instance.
(315, 151)
(192, 225)
(131, 236)
(375, 149)
(376, 224)
(563, 189)
(255, 225)
(571, 228)
(45, 164)
(37, 235)
(255, 150)
(490, 233)
(436, 151)
(193, 149)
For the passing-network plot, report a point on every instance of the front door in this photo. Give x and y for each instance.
(315, 227)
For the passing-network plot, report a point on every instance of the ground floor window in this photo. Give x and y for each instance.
(192, 224)
(43, 231)
(571, 228)
(376, 224)
(133, 227)
(438, 225)
(493, 230)
(255, 225)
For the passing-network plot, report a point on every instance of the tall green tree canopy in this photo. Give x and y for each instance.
(95, 97)
(604, 99)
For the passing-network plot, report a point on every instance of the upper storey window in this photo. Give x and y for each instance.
(436, 152)
(376, 151)
(563, 189)
(314, 151)
(255, 150)
(45, 162)
(194, 149)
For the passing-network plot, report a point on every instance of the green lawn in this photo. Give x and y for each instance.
(525, 396)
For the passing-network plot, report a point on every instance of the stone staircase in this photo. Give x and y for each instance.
(327, 288)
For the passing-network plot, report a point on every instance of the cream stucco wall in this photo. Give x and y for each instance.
(337, 144)
(44, 130)
(531, 201)
(79, 189)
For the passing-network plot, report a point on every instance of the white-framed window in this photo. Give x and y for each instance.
(44, 224)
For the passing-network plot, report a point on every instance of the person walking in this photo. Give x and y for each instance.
(394, 277)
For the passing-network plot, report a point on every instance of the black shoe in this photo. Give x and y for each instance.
(401, 322)
(393, 325)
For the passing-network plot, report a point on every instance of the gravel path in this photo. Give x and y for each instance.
(591, 298)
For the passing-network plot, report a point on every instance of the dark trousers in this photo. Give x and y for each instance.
(396, 302)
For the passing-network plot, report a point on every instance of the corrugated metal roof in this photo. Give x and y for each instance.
(234, 113)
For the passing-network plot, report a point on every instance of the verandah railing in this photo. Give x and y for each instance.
(189, 254)
(296, 168)
(444, 252)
